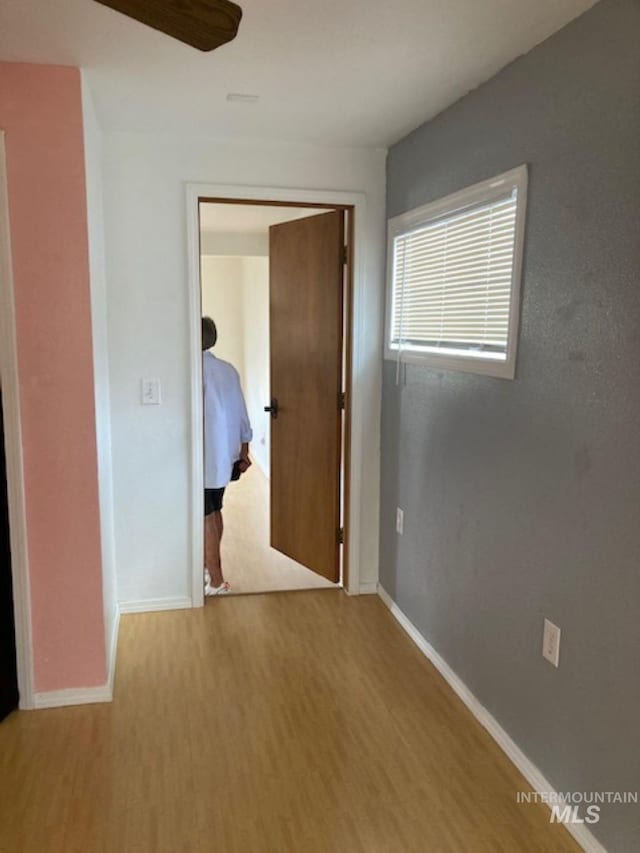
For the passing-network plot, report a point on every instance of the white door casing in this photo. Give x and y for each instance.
(13, 452)
(194, 192)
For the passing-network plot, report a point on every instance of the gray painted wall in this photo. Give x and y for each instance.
(522, 498)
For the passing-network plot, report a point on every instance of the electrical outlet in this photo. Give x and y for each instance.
(399, 521)
(150, 392)
(551, 642)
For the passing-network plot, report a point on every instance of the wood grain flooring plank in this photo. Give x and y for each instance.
(304, 722)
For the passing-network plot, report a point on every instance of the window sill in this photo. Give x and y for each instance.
(461, 364)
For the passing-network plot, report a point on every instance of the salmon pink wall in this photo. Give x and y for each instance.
(41, 114)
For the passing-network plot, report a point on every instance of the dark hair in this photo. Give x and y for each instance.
(209, 333)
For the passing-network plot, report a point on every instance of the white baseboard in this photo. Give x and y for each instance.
(113, 651)
(148, 605)
(369, 588)
(532, 774)
(73, 696)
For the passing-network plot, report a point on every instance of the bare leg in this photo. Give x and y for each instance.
(212, 536)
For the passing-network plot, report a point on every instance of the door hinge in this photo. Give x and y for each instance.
(341, 536)
(341, 400)
(345, 254)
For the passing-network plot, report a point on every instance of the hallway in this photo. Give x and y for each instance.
(304, 722)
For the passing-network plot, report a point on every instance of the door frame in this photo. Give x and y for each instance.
(354, 410)
(13, 451)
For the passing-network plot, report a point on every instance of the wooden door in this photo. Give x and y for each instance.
(306, 264)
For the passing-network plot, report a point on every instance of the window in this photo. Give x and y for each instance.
(453, 290)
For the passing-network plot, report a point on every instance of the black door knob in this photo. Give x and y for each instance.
(273, 408)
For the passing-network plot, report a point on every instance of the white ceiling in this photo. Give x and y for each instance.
(339, 72)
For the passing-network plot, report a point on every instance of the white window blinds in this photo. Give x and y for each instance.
(452, 281)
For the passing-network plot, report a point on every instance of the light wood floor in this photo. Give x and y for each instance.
(299, 722)
(250, 564)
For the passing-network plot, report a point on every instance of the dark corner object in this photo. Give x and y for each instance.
(8, 666)
(204, 24)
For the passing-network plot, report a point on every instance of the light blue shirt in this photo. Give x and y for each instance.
(226, 422)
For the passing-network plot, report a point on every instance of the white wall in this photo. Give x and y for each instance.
(148, 312)
(95, 217)
(233, 243)
(222, 281)
(255, 296)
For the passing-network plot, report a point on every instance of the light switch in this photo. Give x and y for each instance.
(150, 392)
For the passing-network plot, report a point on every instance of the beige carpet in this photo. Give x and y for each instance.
(248, 563)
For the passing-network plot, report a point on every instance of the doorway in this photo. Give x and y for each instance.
(14, 593)
(9, 696)
(277, 281)
(357, 366)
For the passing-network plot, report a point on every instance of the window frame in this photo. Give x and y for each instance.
(484, 191)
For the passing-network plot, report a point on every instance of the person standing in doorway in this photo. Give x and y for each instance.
(227, 433)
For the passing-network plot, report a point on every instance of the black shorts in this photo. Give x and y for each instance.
(213, 500)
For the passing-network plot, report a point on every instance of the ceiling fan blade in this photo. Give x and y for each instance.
(204, 24)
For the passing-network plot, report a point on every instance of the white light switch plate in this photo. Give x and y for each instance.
(551, 642)
(150, 392)
(399, 521)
